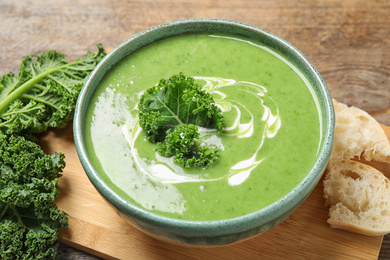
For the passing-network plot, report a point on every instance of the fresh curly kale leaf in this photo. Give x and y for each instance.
(182, 142)
(174, 101)
(44, 92)
(30, 220)
(171, 113)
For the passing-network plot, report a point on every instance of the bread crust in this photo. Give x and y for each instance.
(358, 134)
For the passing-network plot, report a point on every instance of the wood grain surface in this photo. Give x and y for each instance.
(348, 41)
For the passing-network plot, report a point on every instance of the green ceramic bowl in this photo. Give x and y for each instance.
(219, 232)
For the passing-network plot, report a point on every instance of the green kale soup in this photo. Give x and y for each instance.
(270, 139)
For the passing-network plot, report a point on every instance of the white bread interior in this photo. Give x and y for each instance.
(359, 198)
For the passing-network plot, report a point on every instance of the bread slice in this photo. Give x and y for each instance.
(359, 198)
(357, 134)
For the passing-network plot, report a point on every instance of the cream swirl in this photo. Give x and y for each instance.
(240, 171)
(242, 125)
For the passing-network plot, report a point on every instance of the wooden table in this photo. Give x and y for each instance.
(348, 41)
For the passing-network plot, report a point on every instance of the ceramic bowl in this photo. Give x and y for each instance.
(220, 232)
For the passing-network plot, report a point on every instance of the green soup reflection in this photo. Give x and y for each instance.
(271, 137)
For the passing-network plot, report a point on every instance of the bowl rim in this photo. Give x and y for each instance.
(210, 227)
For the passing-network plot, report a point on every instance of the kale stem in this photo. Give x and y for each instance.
(170, 111)
(26, 86)
(15, 112)
(38, 100)
(17, 215)
(17, 93)
(4, 211)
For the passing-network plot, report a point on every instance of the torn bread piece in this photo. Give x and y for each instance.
(358, 194)
(357, 134)
(359, 198)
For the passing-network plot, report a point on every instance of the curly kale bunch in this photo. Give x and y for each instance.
(30, 220)
(42, 95)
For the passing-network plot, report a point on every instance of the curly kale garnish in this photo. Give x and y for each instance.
(181, 142)
(30, 220)
(171, 113)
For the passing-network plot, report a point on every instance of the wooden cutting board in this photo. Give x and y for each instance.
(95, 227)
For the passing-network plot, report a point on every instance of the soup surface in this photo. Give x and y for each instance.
(271, 136)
